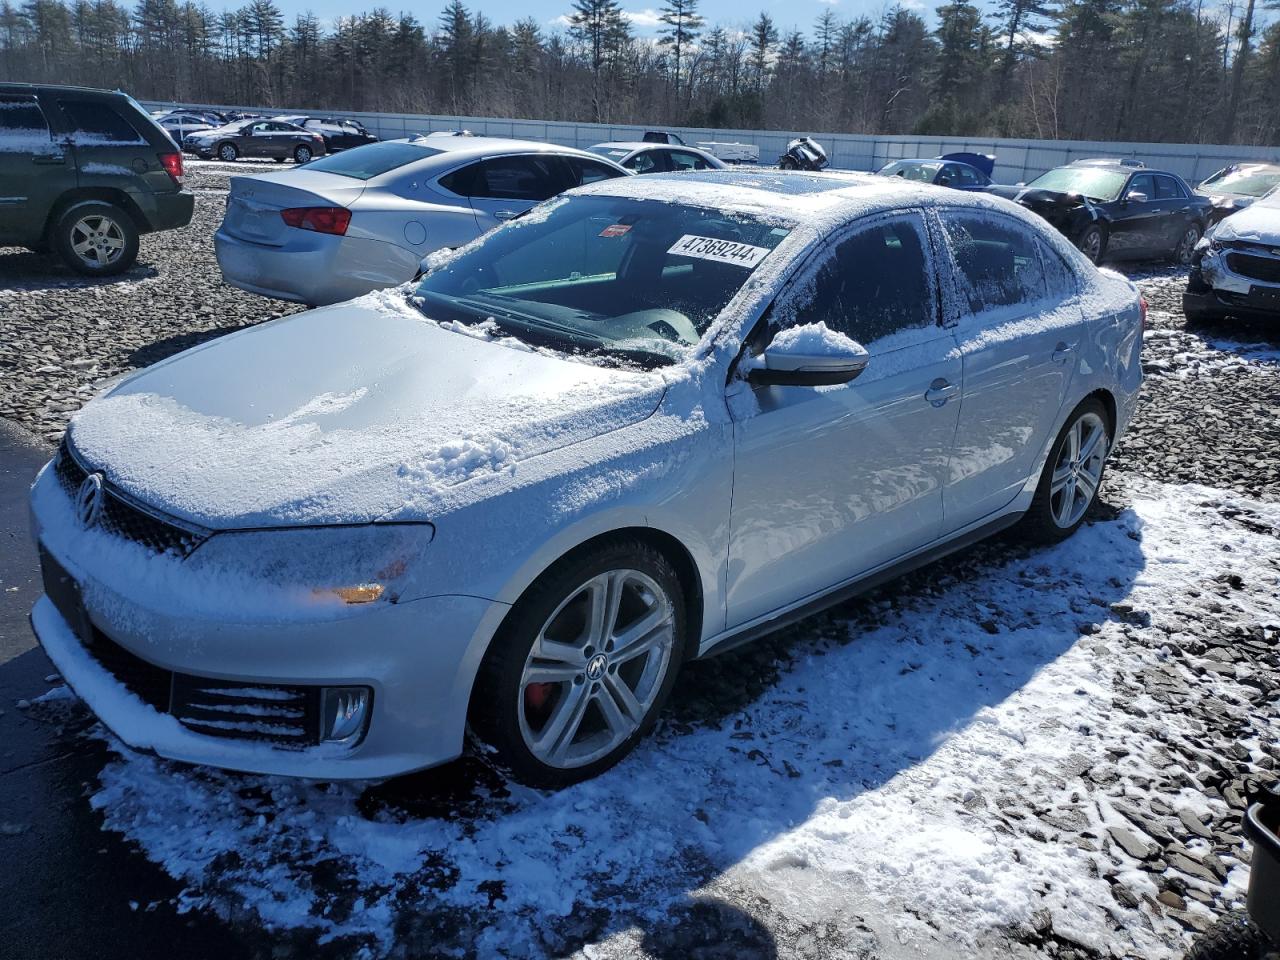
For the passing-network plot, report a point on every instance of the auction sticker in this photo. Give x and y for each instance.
(721, 251)
(615, 230)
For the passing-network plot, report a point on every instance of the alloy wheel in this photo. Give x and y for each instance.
(97, 240)
(302, 155)
(1078, 470)
(1091, 245)
(227, 152)
(1187, 245)
(595, 668)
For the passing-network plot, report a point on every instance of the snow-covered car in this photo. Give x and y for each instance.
(1235, 270)
(364, 218)
(654, 419)
(1234, 187)
(641, 157)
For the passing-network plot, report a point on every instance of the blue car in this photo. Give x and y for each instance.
(961, 171)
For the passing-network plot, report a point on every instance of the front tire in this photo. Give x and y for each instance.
(1072, 475)
(583, 664)
(1092, 243)
(96, 239)
(1234, 937)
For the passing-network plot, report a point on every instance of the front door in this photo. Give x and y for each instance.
(1019, 328)
(1136, 223)
(831, 482)
(34, 169)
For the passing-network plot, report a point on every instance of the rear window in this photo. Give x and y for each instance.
(22, 123)
(96, 122)
(372, 160)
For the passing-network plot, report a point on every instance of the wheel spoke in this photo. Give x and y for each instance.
(82, 247)
(1073, 442)
(606, 595)
(557, 736)
(643, 634)
(550, 673)
(568, 654)
(1060, 478)
(622, 711)
(1090, 444)
(1086, 484)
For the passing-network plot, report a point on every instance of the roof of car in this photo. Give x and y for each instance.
(794, 196)
(632, 145)
(8, 87)
(487, 146)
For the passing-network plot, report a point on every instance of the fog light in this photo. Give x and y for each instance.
(344, 712)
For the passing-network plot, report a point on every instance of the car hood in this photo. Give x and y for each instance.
(1034, 197)
(1257, 223)
(346, 414)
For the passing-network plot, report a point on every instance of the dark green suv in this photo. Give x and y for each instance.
(84, 172)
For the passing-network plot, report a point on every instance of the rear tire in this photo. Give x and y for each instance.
(96, 239)
(786, 163)
(1233, 937)
(582, 665)
(1072, 475)
(302, 154)
(228, 152)
(1186, 247)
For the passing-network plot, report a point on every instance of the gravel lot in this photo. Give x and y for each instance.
(1187, 698)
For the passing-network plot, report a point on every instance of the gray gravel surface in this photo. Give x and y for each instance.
(61, 334)
(1210, 415)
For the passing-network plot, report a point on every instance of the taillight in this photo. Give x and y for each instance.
(1142, 308)
(333, 220)
(172, 163)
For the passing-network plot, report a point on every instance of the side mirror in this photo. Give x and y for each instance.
(944, 181)
(809, 356)
(1135, 196)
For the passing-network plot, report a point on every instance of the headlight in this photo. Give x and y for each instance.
(325, 567)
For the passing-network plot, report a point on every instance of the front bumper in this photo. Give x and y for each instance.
(313, 268)
(419, 659)
(1214, 289)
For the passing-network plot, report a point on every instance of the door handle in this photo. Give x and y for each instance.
(1062, 352)
(49, 158)
(940, 391)
(506, 214)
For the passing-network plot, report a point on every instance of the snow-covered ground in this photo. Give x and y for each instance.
(951, 768)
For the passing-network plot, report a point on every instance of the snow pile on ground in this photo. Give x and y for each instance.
(934, 761)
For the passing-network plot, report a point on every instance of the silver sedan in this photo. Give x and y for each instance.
(353, 222)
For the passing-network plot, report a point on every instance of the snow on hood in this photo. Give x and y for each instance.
(1257, 223)
(343, 415)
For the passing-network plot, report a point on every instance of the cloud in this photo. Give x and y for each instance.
(829, 2)
(560, 21)
(647, 17)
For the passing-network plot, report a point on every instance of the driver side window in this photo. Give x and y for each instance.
(876, 282)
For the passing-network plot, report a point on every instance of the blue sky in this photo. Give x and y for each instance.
(643, 13)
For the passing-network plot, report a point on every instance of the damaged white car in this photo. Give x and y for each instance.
(1235, 270)
(649, 421)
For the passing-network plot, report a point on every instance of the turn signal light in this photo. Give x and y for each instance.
(333, 220)
(172, 163)
(1142, 304)
(360, 593)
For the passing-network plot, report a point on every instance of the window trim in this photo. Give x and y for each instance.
(32, 99)
(825, 246)
(566, 175)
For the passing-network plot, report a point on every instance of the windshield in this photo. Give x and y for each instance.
(1250, 181)
(613, 153)
(924, 172)
(372, 159)
(1092, 182)
(635, 280)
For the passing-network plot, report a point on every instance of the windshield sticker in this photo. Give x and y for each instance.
(721, 251)
(615, 230)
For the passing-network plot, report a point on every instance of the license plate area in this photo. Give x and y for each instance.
(62, 589)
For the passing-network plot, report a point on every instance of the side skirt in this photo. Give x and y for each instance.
(845, 591)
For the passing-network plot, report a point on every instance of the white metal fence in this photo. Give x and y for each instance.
(1016, 160)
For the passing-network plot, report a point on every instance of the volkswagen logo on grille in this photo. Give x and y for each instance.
(89, 500)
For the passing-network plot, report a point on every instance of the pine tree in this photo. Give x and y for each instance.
(682, 26)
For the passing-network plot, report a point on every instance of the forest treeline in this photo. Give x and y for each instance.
(1146, 70)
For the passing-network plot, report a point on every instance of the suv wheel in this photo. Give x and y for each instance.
(96, 238)
(301, 154)
(1072, 475)
(228, 152)
(577, 675)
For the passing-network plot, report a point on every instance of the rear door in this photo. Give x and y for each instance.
(110, 147)
(1175, 210)
(1018, 324)
(502, 188)
(686, 160)
(34, 169)
(583, 170)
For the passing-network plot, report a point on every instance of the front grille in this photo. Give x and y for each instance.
(280, 714)
(1266, 269)
(124, 518)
